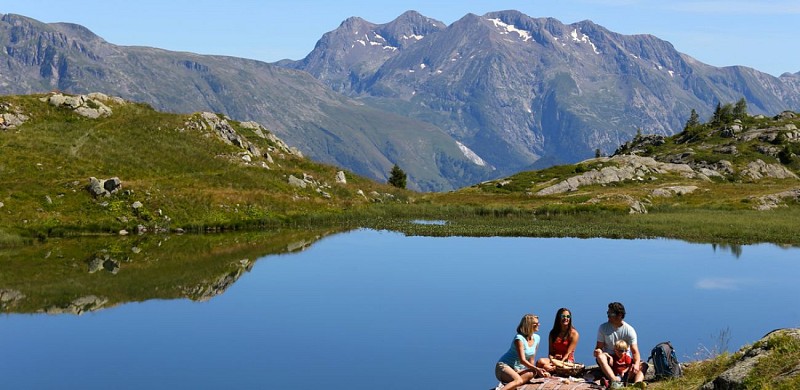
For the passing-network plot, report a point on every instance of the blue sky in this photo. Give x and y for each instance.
(760, 34)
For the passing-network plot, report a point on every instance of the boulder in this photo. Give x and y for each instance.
(727, 149)
(757, 170)
(340, 178)
(112, 185)
(11, 121)
(103, 187)
(673, 190)
(83, 105)
(293, 181)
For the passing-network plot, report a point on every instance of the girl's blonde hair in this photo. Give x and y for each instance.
(621, 345)
(528, 325)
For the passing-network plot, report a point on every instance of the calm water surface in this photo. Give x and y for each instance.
(376, 309)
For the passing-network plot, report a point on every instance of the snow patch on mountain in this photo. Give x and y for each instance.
(584, 39)
(417, 37)
(523, 34)
(377, 40)
(468, 153)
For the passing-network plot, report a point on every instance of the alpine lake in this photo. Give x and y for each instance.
(360, 309)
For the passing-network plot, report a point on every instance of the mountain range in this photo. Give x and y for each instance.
(453, 105)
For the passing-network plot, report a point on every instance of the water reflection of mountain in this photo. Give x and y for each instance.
(87, 274)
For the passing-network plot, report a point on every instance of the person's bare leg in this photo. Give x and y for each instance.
(511, 379)
(604, 362)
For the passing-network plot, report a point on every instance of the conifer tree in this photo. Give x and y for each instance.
(717, 118)
(740, 109)
(397, 177)
(694, 120)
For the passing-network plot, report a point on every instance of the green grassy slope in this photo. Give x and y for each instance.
(184, 176)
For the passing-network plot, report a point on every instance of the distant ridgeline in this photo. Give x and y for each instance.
(480, 99)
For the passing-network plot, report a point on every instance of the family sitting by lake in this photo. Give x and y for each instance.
(615, 339)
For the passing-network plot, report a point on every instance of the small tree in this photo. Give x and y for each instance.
(397, 177)
(716, 119)
(694, 120)
(740, 109)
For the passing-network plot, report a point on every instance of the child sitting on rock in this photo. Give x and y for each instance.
(621, 363)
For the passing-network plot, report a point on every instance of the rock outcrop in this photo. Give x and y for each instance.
(734, 377)
(104, 187)
(79, 305)
(758, 170)
(221, 127)
(10, 298)
(11, 116)
(772, 201)
(619, 168)
(204, 292)
(90, 106)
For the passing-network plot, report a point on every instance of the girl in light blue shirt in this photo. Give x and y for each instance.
(517, 366)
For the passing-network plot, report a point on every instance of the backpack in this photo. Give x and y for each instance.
(665, 362)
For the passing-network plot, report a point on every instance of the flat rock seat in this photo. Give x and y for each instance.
(558, 383)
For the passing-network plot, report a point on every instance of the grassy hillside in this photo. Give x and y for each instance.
(179, 169)
(729, 180)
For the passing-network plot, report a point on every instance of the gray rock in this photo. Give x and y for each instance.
(79, 305)
(100, 187)
(340, 178)
(82, 105)
(112, 185)
(95, 265)
(727, 149)
(637, 207)
(96, 187)
(673, 190)
(10, 297)
(293, 181)
(1, 205)
(622, 167)
(767, 150)
(772, 201)
(757, 170)
(254, 150)
(12, 121)
(137, 205)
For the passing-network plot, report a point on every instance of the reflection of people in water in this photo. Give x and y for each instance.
(517, 366)
(562, 340)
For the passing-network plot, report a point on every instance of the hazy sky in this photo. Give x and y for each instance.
(762, 34)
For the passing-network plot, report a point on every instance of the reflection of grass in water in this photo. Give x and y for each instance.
(55, 274)
(720, 226)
